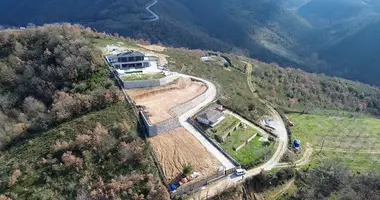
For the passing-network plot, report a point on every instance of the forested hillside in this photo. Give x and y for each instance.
(314, 35)
(65, 130)
(291, 88)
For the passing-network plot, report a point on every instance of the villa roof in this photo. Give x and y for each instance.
(211, 115)
(131, 54)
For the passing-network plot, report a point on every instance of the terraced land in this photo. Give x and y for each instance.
(354, 139)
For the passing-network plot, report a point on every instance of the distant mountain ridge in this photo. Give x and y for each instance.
(315, 35)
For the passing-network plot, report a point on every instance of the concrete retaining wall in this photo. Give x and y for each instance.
(150, 83)
(151, 130)
(183, 108)
(163, 127)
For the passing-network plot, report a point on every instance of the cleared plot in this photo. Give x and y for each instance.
(158, 101)
(178, 148)
(355, 140)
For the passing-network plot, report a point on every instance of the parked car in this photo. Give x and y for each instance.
(290, 123)
(240, 172)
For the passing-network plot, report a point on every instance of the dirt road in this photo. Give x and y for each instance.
(156, 17)
(178, 148)
(302, 161)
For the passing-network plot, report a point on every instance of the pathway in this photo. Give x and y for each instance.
(156, 17)
(211, 94)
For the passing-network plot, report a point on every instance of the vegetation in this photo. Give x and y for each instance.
(187, 170)
(48, 75)
(354, 139)
(64, 132)
(254, 153)
(225, 125)
(291, 88)
(98, 155)
(333, 180)
(233, 90)
(142, 77)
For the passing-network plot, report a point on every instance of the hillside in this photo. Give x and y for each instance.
(67, 133)
(65, 130)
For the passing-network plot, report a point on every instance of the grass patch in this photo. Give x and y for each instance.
(239, 137)
(343, 135)
(137, 77)
(253, 151)
(228, 122)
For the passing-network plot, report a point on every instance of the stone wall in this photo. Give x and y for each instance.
(150, 83)
(183, 108)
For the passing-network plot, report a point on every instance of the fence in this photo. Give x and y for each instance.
(253, 122)
(196, 186)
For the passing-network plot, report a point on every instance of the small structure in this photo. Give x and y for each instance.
(210, 117)
(296, 144)
(206, 59)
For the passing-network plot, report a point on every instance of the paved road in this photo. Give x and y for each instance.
(211, 94)
(231, 181)
(156, 17)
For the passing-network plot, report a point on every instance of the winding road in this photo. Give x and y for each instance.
(231, 180)
(156, 17)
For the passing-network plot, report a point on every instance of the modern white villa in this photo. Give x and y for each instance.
(134, 61)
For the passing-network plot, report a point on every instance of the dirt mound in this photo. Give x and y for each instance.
(178, 148)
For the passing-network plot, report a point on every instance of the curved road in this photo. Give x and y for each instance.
(156, 17)
(231, 180)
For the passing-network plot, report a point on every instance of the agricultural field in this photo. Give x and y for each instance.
(178, 148)
(354, 139)
(158, 101)
(136, 77)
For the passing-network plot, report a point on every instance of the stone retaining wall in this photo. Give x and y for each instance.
(245, 143)
(183, 108)
(150, 83)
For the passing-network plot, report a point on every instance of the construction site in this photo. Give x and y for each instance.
(157, 102)
(178, 148)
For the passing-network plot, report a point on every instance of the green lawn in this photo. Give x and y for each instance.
(343, 135)
(253, 151)
(239, 137)
(225, 125)
(137, 77)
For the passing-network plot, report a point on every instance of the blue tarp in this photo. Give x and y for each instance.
(172, 187)
(297, 143)
(109, 59)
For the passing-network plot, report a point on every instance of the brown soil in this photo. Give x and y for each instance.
(152, 47)
(158, 101)
(178, 148)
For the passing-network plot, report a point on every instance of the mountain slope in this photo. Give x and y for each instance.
(357, 56)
